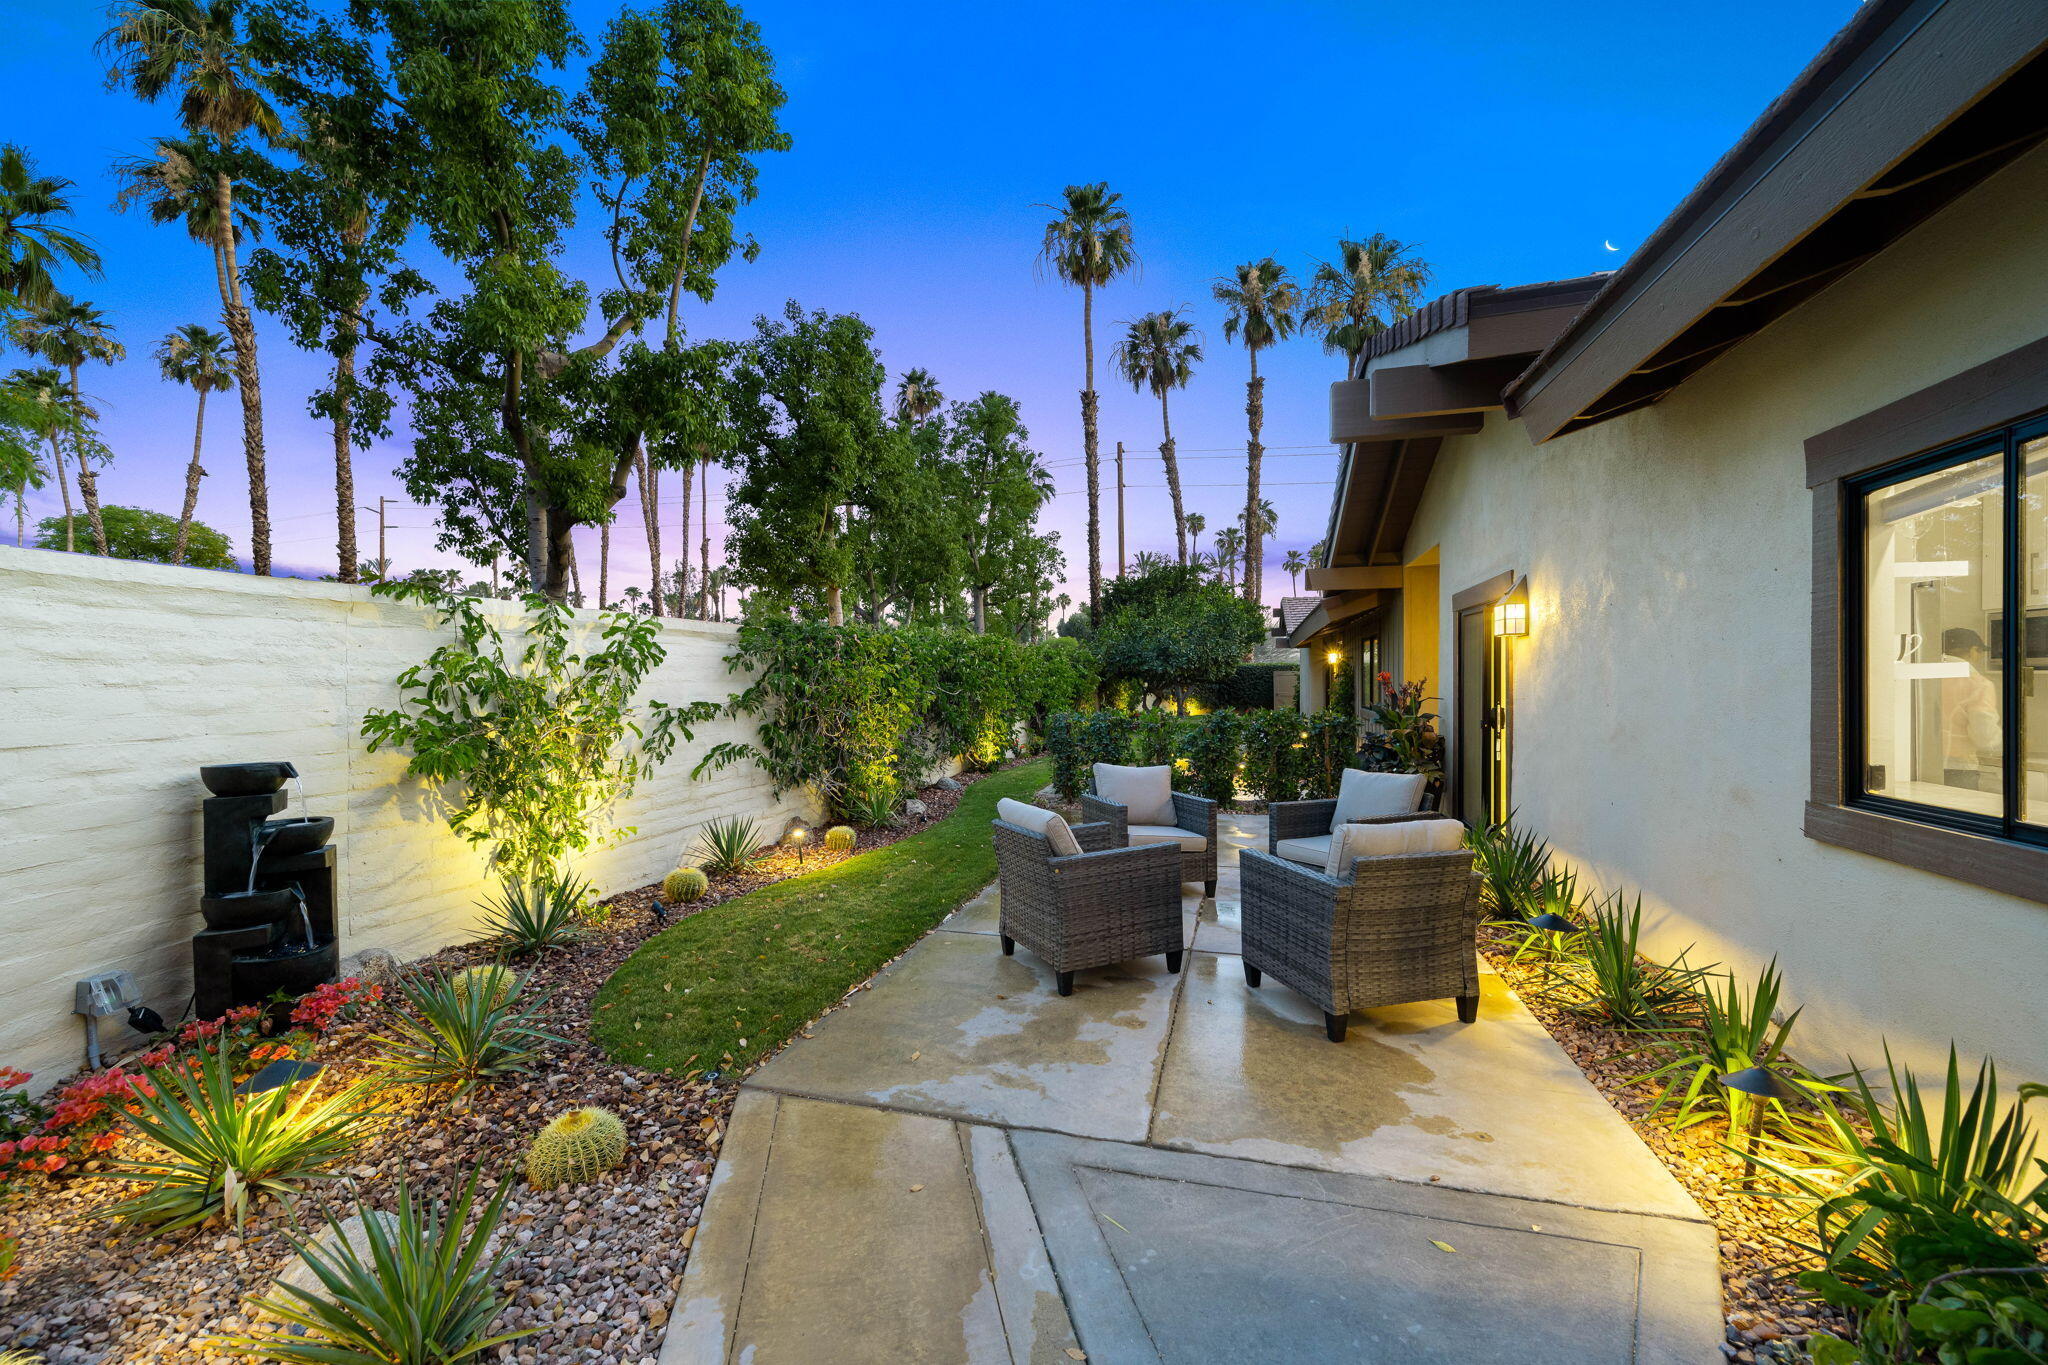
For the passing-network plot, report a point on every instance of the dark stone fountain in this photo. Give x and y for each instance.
(269, 900)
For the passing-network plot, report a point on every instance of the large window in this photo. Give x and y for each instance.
(1948, 636)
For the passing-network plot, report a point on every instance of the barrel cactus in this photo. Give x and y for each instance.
(684, 885)
(576, 1148)
(839, 838)
(493, 981)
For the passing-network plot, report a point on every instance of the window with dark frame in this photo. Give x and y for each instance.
(1945, 648)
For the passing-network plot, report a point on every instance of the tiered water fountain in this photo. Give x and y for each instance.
(269, 900)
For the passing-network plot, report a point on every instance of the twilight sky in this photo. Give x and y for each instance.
(1509, 140)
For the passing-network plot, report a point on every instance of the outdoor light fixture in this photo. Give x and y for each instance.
(1511, 618)
(1334, 657)
(102, 996)
(279, 1074)
(1762, 1084)
(796, 838)
(1553, 925)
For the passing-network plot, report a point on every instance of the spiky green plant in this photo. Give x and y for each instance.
(840, 839)
(1556, 893)
(1614, 984)
(425, 1294)
(530, 917)
(459, 1038)
(494, 980)
(1511, 864)
(871, 806)
(213, 1151)
(575, 1148)
(729, 845)
(685, 885)
(1737, 1030)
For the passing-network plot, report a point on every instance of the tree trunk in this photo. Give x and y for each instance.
(1254, 553)
(64, 487)
(242, 331)
(650, 518)
(683, 605)
(560, 555)
(979, 594)
(88, 481)
(604, 565)
(21, 513)
(575, 574)
(1090, 448)
(344, 462)
(193, 474)
(835, 611)
(1180, 519)
(704, 545)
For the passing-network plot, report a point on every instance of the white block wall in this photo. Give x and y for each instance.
(119, 680)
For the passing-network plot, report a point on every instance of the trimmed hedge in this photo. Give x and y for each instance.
(1267, 755)
(1250, 688)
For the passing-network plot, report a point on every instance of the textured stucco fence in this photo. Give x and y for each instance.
(118, 680)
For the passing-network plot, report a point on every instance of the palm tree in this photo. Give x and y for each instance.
(24, 419)
(1229, 551)
(47, 410)
(1159, 353)
(917, 396)
(1089, 244)
(1197, 523)
(1259, 303)
(198, 357)
(1145, 561)
(1374, 284)
(30, 243)
(1294, 564)
(194, 49)
(68, 334)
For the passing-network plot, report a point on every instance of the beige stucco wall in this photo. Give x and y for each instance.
(1661, 697)
(118, 680)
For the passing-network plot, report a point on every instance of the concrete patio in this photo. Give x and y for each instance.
(962, 1166)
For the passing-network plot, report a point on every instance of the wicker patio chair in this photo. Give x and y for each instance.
(1306, 825)
(1388, 931)
(1105, 904)
(1192, 815)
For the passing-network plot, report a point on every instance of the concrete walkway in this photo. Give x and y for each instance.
(962, 1166)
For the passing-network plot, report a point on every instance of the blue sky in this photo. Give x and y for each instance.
(1510, 141)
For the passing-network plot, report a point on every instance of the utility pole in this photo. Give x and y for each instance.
(383, 563)
(1121, 567)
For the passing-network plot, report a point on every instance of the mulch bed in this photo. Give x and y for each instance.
(594, 1267)
(1768, 1313)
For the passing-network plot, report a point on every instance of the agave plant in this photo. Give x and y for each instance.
(1737, 1030)
(215, 1151)
(1511, 864)
(871, 806)
(458, 1037)
(1555, 893)
(423, 1291)
(1616, 985)
(728, 845)
(530, 917)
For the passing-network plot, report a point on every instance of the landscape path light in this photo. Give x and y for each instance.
(1763, 1085)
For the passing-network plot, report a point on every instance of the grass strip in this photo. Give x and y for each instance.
(732, 983)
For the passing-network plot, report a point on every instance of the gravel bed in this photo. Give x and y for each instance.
(594, 1267)
(1768, 1313)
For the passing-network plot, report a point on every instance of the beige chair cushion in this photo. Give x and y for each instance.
(1058, 838)
(1146, 794)
(1385, 841)
(1189, 841)
(1314, 851)
(1366, 796)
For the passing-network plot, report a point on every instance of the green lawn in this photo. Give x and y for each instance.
(725, 987)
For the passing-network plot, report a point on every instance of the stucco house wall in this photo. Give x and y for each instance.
(118, 680)
(1661, 696)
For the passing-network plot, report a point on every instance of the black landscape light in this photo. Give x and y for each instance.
(1762, 1085)
(278, 1074)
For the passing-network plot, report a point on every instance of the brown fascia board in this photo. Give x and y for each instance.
(1463, 368)
(1440, 390)
(1893, 77)
(1351, 420)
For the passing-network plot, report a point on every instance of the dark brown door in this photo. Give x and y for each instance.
(1481, 747)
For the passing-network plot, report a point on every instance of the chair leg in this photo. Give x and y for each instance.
(1209, 888)
(1009, 946)
(1334, 1025)
(1468, 1008)
(1173, 961)
(1065, 981)
(1251, 974)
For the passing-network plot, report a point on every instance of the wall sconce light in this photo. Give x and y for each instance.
(1334, 657)
(1511, 612)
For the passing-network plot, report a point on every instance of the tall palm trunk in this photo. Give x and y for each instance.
(64, 487)
(650, 518)
(1180, 519)
(1255, 412)
(242, 331)
(193, 474)
(88, 481)
(1090, 446)
(344, 462)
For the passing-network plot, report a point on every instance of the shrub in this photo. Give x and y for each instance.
(576, 1148)
(495, 982)
(1064, 742)
(1274, 755)
(1737, 1030)
(218, 1150)
(1617, 985)
(1169, 629)
(1329, 740)
(840, 839)
(1211, 746)
(1157, 737)
(728, 845)
(459, 1038)
(1249, 687)
(1511, 865)
(1105, 738)
(874, 808)
(530, 917)
(685, 885)
(427, 1291)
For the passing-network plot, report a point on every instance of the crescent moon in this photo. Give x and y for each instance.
(1610, 246)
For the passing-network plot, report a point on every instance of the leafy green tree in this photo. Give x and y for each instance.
(196, 52)
(1159, 352)
(138, 533)
(68, 334)
(902, 530)
(41, 410)
(21, 463)
(807, 407)
(1370, 286)
(199, 358)
(996, 485)
(1170, 629)
(1089, 244)
(33, 242)
(1260, 302)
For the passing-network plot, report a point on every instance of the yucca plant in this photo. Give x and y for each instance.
(872, 807)
(460, 1038)
(1614, 984)
(530, 917)
(1556, 892)
(1511, 864)
(1737, 1030)
(426, 1292)
(728, 845)
(215, 1151)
